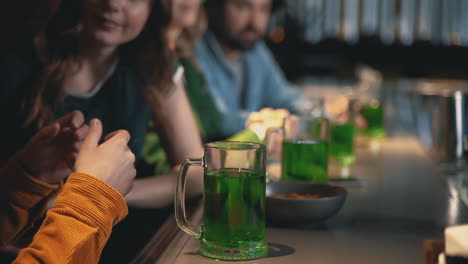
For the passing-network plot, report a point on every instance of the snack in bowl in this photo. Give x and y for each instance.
(302, 203)
(294, 195)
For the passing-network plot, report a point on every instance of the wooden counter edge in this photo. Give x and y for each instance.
(168, 231)
(158, 243)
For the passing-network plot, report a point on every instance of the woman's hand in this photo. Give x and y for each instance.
(50, 154)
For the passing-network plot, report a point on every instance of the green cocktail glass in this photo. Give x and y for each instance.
(374, 115)
(305, 160)
(304, 148)
(342, 143)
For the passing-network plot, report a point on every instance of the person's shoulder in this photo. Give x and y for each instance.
(207, 47)
(204, 55)
(201, 46)
(262, 51)
(261, 57)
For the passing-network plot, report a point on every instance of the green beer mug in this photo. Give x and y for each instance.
(341, 111)
(233, 225)
(373, 113)
(304, 148)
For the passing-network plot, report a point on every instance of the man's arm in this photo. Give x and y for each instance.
(33, 175)
(279, 92)
(78, 225)
(80, 222)
(23, 198)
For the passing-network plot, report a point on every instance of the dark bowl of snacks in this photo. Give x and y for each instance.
(299, 203)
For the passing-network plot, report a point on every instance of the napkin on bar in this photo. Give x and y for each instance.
(456, 245)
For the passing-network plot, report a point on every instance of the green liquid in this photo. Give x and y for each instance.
(374, 116)
(316, 128)
(234, 213)
(305, 160)
(342, 143)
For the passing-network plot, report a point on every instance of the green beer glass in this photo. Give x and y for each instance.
(342, 130)
(305, 149)
(374, 115)
(233, 225)
(342, 143)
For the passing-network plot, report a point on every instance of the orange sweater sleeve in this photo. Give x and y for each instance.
(23, 200)
(78, 225)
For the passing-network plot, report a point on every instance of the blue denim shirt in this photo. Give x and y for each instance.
(264, 83)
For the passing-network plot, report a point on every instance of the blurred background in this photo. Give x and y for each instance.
(413, 54)
(324, 44)
(409, 55)
(403, 38)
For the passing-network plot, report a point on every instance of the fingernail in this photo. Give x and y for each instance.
(94, 122)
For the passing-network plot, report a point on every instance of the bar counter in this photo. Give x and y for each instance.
(401, 202)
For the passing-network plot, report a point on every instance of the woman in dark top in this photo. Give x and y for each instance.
(104, 58)
(184, 23)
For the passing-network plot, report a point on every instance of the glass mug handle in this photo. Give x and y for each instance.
(179, 199)
(273, 148)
